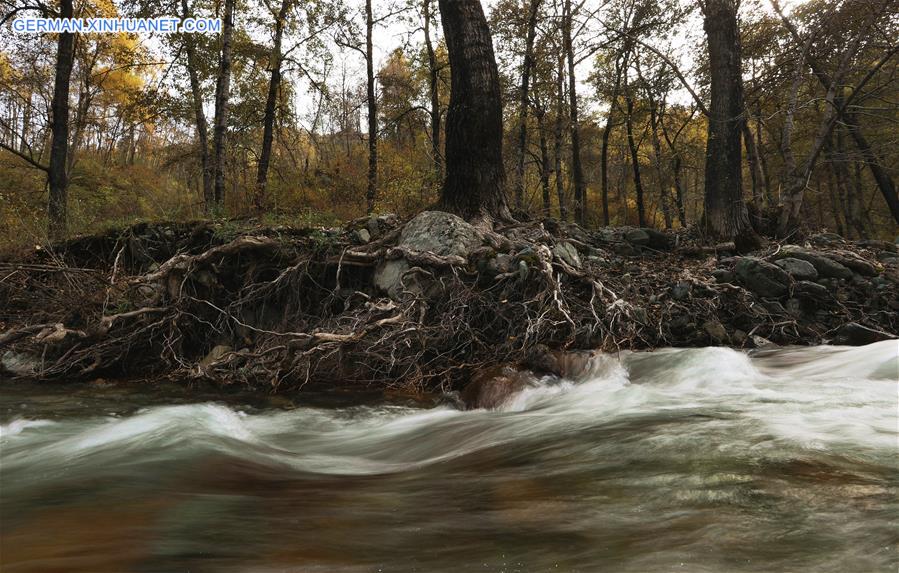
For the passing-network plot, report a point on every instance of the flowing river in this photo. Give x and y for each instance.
(676, 460)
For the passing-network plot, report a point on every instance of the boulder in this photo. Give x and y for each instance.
(853, 262)
(855, 334)
(798, 269)
(681, 290)
(811, 291)
(825, 266)
(723, 276)
(491, 388)
(658, 240)
(716, 331)
(440, 233)
(388, 276)
(565, 251)
(637, 237)
(762, 278)
(20, 364)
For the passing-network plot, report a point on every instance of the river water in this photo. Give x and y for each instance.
(677, 460)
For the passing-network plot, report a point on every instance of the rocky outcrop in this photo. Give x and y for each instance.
(823, 264)
(798, 269)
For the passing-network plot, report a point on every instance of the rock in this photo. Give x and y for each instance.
(491, 388)
(855, 334)
(20, 364)
(853, 262)
(625, 249)
(716, 331)
(888, 258)
(825, 266)
(566, 252)
(811, 291)
(217, 352)
(440, 233)
(739, 337)
(827, 239)
(774, 307)
(388, 277)
(793, 307)
(885, 246)
(681, 290)
(762, 278)
(761, 341)
(658, 240)
(637, 237)
(377, 225)
(362, 236)
(798, 269)
(723, 276)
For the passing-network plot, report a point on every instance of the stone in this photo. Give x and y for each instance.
(761, 341)
(20, 364)
(658, 240)
(811, 291)
(723, 276)
(855, 334)
(716, 331)
(217, 353)
(637, 237)
(798, 269)
(739, 337)
(854, 263)
(362, 236)
(875, 244)
(489, 389)
(379, 224)
(825, 266)
(625, 249)
(565, 251)
(388, 277)
(762, 278)
(793, 306)
(681, 290)
(827, 239)
(440, 233)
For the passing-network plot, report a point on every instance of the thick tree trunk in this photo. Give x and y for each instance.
(475, 179)
(433, 92)
(577, 171)
(635, 158)
(199, 116)
(726, 216)
(523, 102)
(884, 181)
(371, 193)
(271, 106)
(222, 97)
(57, 178)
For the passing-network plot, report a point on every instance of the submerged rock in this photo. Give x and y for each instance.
(855, 334)
(491, 388)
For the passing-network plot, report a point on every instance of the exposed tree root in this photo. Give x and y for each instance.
(283, 308)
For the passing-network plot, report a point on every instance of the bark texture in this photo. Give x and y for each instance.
(475, 179)
(57, 179)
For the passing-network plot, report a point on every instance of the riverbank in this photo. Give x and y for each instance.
(418, 306)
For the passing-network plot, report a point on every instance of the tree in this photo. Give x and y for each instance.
(524, 99)
(577, 170)
(57, 176)
(726, 216)
(474, 185)
(200, 123)
(222, 95)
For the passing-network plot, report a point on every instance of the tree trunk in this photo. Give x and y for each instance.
(884, 181)
(433, 89)
(271, 105)
(635, 158)
(577, 171)
(474, 185)
(523, 102)
(604, 153)
(557, 139)
(726, 216)
(57, 178)
(753, 159)
(544, 164)
(222, 96)
(199, 116)
(371, 193)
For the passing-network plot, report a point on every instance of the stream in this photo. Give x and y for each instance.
(688, 460)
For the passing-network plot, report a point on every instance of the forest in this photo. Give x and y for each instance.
(319, 112)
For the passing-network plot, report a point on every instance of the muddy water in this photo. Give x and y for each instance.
(678, 460)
